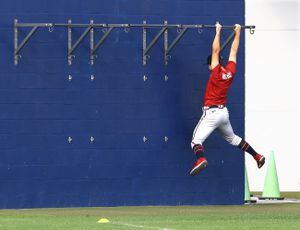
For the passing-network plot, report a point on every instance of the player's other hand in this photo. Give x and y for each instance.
(237, 27)
(218, 27)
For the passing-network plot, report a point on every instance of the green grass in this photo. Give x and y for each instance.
(279, 216)
(295, 195)
(286, 216)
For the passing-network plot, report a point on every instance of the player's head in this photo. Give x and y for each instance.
(208, 61)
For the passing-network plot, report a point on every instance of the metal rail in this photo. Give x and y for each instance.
(107, 29)
(193, 26)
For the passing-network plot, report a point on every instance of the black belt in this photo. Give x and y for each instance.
(214, 106)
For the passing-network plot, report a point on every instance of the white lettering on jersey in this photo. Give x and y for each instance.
(226, 76)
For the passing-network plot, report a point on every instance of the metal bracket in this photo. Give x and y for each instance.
(229, 39)
(107, 29)
(18, 47)
(182, 31)
(71, 47)
(93, 47)
(146, 48)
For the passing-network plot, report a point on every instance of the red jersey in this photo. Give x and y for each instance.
(218, 84)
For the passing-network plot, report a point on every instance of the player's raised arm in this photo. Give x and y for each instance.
(216, 47)
(235, 43)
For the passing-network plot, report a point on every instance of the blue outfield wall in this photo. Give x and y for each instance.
(40, 108)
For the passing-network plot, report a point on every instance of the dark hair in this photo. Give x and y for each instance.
(208, 60)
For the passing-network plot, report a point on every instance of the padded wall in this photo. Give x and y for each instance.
(40, 108)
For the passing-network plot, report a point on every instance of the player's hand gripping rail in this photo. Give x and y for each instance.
(233, 27)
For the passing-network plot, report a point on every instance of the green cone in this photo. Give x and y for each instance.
(271, 188)
(247, 192)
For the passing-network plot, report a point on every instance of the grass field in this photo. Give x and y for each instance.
(279, 216)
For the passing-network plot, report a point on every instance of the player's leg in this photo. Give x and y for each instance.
(226, 130)
(206, 125)
(246, 147)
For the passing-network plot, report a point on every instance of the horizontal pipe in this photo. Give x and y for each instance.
(229, 27)
(34, 24)
(103, 25)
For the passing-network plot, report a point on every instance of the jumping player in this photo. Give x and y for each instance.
(215, 114)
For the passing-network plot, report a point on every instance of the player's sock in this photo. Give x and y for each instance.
(198, 150)
(247, 148)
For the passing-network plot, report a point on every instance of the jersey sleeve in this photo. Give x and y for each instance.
(231, 66)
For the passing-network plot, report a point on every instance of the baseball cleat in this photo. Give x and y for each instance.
(199, 165)
(260, 160)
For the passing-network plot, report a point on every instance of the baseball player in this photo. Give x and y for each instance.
(215, 113)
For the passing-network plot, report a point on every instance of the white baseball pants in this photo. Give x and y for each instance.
(211, 119)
